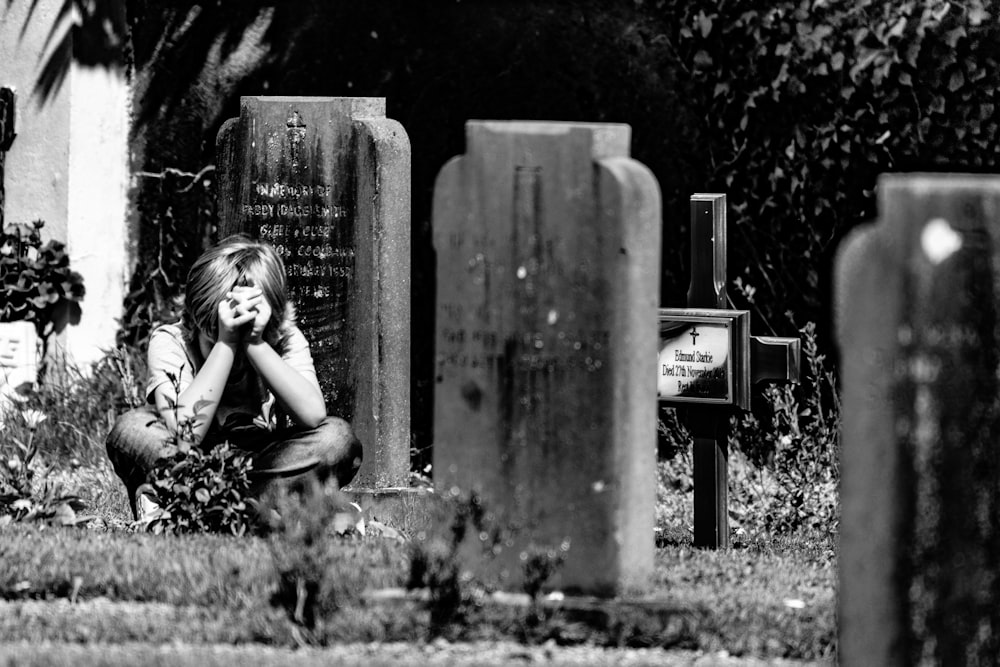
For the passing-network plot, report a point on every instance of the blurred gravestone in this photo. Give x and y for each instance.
(7, 135)
(548, 247)
(920, 492)
(327, 182)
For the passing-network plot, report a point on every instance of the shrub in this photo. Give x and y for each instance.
(793, 451)
(36, 282)
(435, 564)
(307, 520)
(202, 490)
(199, 489)
(802, 104)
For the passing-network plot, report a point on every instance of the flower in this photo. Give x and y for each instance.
(32, 418)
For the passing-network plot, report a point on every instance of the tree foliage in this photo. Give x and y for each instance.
(808, 101)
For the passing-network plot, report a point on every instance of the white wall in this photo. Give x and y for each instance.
(69, 167)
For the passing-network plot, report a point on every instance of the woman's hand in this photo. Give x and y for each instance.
(241, 306)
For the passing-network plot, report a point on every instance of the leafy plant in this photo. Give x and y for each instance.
(37, 283)
(436, 564)
(82, 407)
(26, 493)
(306, 520)
(793, 451)
(199, 489)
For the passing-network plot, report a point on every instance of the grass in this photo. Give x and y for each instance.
(108, 585)
(105, 584)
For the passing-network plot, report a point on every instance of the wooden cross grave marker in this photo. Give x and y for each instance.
(712, 375)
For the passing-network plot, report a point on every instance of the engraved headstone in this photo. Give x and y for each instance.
(916, 298)
(327, 182)
(548, 248)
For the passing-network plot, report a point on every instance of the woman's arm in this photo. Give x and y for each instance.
(200, 399)
(298, 395)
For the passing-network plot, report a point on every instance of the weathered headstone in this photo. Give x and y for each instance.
(327, 181)
(548, 247)
(916, 307)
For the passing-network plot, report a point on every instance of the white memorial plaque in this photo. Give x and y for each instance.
(703, 356)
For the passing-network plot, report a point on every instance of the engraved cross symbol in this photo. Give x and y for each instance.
(296, 132)
(694, 335)
(295, 121)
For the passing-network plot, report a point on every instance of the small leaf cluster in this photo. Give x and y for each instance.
(35, 278)
(200, 489)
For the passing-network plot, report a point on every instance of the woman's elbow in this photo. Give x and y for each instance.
(312, 417)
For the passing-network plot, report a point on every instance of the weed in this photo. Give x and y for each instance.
(792, 482)
(307, 518)
(435, 562)
(23, 497)
(539, 566)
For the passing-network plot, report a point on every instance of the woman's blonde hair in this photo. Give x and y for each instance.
(237, 260)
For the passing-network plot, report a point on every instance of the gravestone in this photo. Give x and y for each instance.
(916, 309)
(548, 248)
(326, 180)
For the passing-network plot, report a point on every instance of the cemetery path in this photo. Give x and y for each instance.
(437, 653)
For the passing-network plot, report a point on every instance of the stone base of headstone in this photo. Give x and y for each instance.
(408, 510)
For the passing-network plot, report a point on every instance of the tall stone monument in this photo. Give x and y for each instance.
(916, 307)
(326, 180)
(548, 258)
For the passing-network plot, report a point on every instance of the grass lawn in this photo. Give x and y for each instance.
(110, 586)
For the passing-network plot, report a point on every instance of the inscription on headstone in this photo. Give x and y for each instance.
(326, 181)
(547, 238)
(916, 307)
(702, 357)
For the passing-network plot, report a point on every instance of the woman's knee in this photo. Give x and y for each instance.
(137, 435)
(345, 451)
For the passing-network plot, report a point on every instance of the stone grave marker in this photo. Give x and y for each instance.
(916, 312)
(7, 135)
(326, 180)
(708, 361)
(548, 247)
